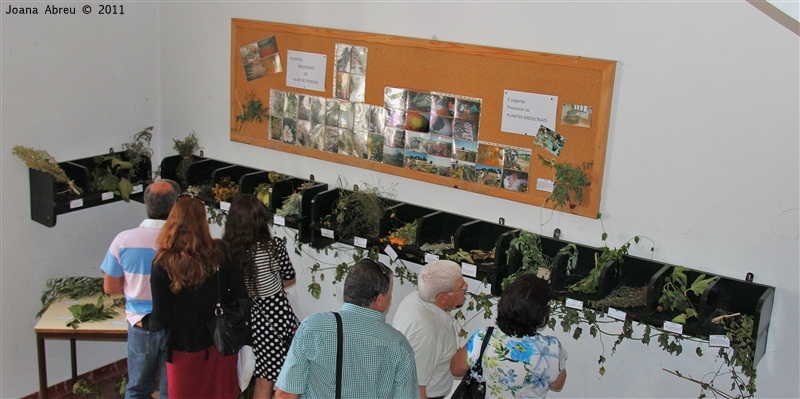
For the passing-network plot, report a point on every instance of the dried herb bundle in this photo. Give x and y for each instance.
(359, 213)
(623, 297)
(185, 149)
(42, 161)
(138, 149)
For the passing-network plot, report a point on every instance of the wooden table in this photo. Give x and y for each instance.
(53, 325)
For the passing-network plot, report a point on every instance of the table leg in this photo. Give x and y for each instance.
(74, 359)
(42, 367)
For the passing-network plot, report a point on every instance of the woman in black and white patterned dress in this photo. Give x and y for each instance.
(267, 270)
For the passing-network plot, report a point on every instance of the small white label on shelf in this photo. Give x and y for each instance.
(137, 189)
(431, 257)
(225, 206)
(617, 314)
(469, 270)
(107, 196)
(719, 341)
(360, 242)
(391, 252)
(76, 203)
(676, 328)
(279, 220)
(328, 233)
(574, 304)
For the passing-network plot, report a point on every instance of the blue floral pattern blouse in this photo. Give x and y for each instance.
(517, 367)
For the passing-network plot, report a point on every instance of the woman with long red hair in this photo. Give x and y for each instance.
(190, 269)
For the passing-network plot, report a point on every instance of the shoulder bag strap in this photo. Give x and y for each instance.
(483, 345)
(339, 354)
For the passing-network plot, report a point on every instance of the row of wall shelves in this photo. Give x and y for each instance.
(326, 216)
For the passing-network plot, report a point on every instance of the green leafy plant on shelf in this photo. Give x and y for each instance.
(292, 204)
(42, 161)
(675, 294)
(568, 184)
(110, 173)
(139, 150)
(403, 235)
(186, 149)
(533, 259)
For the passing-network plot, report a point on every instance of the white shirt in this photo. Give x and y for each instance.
(430, 331)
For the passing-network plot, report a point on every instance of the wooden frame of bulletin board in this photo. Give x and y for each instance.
(575, 92)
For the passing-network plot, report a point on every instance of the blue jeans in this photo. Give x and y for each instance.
(147, 358)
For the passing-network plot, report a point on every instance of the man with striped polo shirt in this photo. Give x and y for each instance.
(126, 269)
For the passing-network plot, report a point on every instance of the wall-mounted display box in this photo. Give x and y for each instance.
(50, 198)
(332, 222)
(283, 190)
(484, 236)
(432, 228)
(169, 169)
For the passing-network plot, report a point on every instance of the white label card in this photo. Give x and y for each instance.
(617, 314)
(468, 269)
(225, 206)
(76, 203)
(106, 196)
(360, 242)
(523, 112)
(137, 189)
(544, 185)
(676, 328)
(574, 304)
(719, 341)
(431, 257)
(391, 252)
(328, 233)
(306, 70)
(279, 220)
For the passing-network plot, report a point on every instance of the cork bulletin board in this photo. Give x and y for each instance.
(470, 117)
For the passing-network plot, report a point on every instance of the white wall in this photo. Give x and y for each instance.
(74, 86)
(702, 154)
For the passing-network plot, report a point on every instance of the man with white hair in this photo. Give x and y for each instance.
(424, 318)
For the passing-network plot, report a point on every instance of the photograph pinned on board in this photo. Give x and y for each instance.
(394, 137)
(316, 138)
(346, 115)
(375, 147)
(463, 170)
(416, 141)
(276, 99)
(418, 121)
(276, 128)
(443, 105)
(416, 161)
(303, 130)
(331, 139)
(440, 147)
(353, 144)
(489, 175)
(419, 101)
(377, 119)
(515, 181)
(361, 117)
(518, 159)
(261, 58)
(490, 155)
(468, 110)
(439, 165)
(465, 130)
(318, 109)
(441, 125)
(350, 69)
(395, 118)
(289, 134)
(393, 156)
(550, 140)
(576, 115)
(303, 107)
(290, 106)
(394, 97)
(332, 112)
(466, 151)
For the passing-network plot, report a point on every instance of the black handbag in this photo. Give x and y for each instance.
(471, 388)
(230, 325)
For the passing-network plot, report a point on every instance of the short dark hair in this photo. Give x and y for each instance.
(524, 306)
(365, 280)
(158, 201)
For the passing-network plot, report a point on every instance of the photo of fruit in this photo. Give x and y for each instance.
(418, 121)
